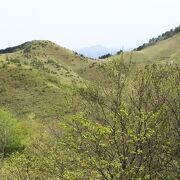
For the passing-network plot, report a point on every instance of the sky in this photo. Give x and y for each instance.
(80, 23)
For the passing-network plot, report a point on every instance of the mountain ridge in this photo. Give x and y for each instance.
(163, 36)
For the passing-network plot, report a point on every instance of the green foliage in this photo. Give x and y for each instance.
(10, 134)
(128, 130)
(130, 135)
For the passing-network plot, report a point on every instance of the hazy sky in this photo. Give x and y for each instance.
(78, 23)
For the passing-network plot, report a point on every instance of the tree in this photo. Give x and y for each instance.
(127, 130)
(105, 56)
(119, 52)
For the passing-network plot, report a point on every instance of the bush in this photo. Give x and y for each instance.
(10, 135)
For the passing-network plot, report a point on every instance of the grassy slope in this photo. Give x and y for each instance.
(27, 92)
(164, 51)
(36, 79)
(167, 49)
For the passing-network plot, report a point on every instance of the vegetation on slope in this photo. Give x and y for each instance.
(129, 129)
(166, 51)
(36, 78)
(81, 119)
(164, 36)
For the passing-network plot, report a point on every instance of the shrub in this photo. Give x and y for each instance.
(10, 135)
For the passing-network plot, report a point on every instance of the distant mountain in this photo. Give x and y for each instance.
(96, 51)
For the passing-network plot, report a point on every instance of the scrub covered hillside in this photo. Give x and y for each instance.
(64, 116)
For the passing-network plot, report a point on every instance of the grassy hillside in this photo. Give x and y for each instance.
(27, 91)
(126, 129)
(163, 51)
(167, 49)
(164, 36)
(64, 116)
(49, 56)
(36, 77)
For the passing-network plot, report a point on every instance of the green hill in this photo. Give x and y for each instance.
(167, 50)
(37, 76)
(48, 56)
(164, 36)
